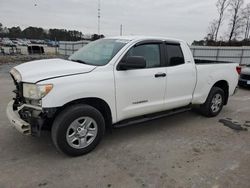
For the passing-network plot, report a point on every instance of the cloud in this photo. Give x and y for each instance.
(185, 19)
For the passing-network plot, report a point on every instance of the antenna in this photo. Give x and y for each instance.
(99, 16)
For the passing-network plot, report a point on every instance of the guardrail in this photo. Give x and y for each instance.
(239, 55)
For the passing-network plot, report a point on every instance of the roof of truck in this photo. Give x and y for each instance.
(137, 37)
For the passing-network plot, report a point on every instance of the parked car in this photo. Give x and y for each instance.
(22, 42)
(17, 42)
(113, 82)
(7, 42)
(244, 80)
(53, 43)
(34, 41)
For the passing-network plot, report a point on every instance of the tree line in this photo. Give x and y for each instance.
(41, 34)
(236, 15)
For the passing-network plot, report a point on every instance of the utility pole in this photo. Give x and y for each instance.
(121, 30)
(99, 15)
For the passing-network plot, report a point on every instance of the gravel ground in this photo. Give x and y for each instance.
(185, 150)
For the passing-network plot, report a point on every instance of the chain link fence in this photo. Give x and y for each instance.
(67, 48)
(239, 55)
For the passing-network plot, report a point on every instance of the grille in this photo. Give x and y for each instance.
(245, 77)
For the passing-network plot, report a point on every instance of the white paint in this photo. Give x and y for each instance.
(184, 84)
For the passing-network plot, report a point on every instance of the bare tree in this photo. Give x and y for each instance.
(221, 5)
(246, 18)
(235, 22)
(212, 30)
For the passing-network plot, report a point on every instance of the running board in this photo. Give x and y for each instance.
(149, 117)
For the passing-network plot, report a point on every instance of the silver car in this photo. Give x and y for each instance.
(245, 77)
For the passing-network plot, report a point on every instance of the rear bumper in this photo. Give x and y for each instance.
(15, 120)
(243, 82)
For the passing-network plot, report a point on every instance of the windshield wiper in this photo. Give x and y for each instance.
(78, 61)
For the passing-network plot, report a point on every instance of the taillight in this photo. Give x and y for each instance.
(238, 69)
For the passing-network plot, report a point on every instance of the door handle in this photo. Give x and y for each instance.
(160, 75)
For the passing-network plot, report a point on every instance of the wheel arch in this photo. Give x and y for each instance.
(223, 84)
(97, 103)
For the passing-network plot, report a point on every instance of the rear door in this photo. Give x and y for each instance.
(181, 75)
(142, 91)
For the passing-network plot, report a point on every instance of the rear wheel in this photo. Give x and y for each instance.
(214, 102)
(78, 129)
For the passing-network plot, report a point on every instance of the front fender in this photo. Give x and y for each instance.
(92, 85)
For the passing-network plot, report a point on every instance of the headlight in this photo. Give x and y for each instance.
(33, 91)
(16, 74)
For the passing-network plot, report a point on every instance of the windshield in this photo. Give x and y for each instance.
(98, 53)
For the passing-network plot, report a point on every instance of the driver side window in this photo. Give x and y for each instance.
(150, 52)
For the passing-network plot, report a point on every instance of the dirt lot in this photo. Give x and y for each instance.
(185, 150)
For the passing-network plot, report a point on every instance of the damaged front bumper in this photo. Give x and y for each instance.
(15, 120)
(28, 119)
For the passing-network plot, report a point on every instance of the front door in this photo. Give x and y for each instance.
(141, 91)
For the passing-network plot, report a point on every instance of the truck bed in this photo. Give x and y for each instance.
(208, 72)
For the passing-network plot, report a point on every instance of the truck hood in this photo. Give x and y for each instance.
(35, 71)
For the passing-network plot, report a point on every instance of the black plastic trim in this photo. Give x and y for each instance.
(205, 62)
(160, 75)
(152, 116)
(149, 42)
(172, 43)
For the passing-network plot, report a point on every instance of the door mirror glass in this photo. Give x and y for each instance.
(133, 62)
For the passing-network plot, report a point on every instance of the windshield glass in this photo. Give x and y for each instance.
(99, 52)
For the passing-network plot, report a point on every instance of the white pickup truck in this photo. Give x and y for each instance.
(113, 82)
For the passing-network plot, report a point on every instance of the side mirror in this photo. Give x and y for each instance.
(132, 62)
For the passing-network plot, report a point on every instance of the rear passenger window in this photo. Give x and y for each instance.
(175, 55)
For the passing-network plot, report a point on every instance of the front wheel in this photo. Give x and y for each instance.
(78, 129)
(214, 102)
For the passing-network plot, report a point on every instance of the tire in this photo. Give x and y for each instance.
(78, 129)
(209, 109)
